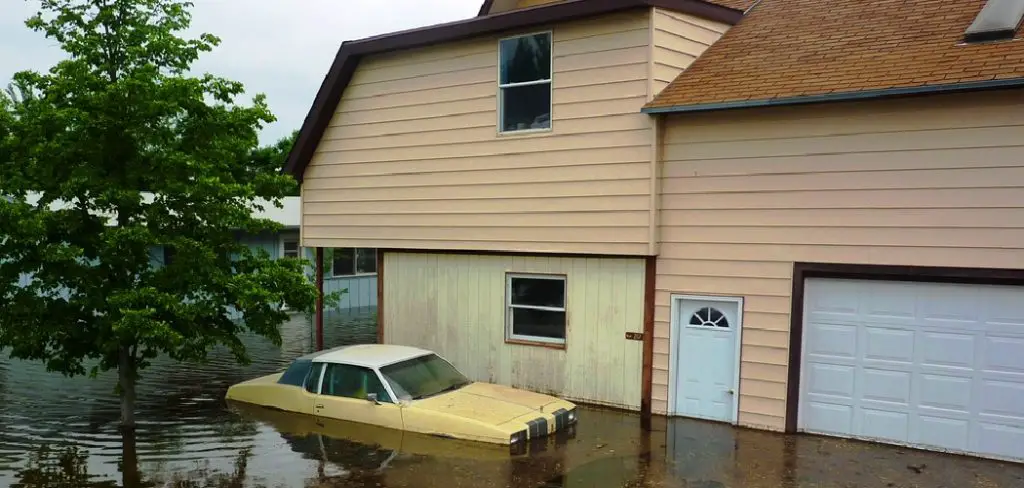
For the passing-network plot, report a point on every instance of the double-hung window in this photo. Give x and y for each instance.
(524, 99)
(536, 308)
(290, 247)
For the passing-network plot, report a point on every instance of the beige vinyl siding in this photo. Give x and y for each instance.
(534, 3)
(678, 40)
(455, 304)
(936, 181)
(413, 158)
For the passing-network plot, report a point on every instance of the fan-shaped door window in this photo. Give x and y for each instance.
(709, 317)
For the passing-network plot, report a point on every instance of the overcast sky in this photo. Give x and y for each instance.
(281, 48)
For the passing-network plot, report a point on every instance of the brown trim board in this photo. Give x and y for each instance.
(474, 252)
(802, 271)
(347, 58)
(647, 376)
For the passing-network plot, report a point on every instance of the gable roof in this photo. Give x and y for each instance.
(350, 52)
(485, 8)
(805, 51)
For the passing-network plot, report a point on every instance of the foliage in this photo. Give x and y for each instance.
(271, 158)
(115, 153)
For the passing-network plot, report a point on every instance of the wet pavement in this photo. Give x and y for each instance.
(56, 431)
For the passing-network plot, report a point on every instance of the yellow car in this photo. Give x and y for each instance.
(410, 389)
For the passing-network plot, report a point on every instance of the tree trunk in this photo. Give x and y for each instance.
(126, 380)
(130, 475)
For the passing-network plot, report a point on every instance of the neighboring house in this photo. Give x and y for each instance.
(358, 279)
(818, 226)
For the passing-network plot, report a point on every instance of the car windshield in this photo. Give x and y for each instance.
(423, 377)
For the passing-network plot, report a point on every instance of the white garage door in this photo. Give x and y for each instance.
(936, 366)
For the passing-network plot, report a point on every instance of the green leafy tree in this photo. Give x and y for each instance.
(272, 157)
(113, 154)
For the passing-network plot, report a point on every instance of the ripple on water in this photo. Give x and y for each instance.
(182, 419)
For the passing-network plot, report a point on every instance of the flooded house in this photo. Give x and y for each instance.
(789, 215)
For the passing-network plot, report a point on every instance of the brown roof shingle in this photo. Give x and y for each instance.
(740, 5)
(786, 49)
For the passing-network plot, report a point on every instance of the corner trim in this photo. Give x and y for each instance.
(380, 296)
(840, 97)
(647, 374)
(923, 274)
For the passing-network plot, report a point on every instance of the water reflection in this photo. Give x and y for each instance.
(59, 432)
(180, 410)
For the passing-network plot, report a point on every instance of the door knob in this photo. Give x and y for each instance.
(732, 392)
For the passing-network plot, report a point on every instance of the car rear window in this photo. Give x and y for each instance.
(295, 375)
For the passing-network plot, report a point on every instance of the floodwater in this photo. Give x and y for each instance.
(62, 432)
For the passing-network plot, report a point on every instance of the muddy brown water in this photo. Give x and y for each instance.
(62, 432)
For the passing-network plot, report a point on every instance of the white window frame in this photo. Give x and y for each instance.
(549, 81)
(354, 261)
(509, 306)
(284, 239)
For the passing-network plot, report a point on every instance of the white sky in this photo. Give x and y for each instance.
(281, 48)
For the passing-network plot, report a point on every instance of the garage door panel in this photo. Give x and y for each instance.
(947, 349)
(836, 417)
(881, 424)
(829, 340)
(885, 344)
(943, 432)
(830, 380)
(1003, 399)
(1001, 438)
(886, 386)
(952, 394)
(934, 365)
(1004, 354)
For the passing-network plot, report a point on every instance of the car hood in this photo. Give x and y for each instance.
(487, 403)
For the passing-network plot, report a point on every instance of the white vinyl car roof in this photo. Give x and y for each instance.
(367, 355)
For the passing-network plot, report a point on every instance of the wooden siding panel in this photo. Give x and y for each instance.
(678, 40)
(413, 157)
(455, 305)
(936, 181)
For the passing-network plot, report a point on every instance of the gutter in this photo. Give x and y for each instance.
(841, 97)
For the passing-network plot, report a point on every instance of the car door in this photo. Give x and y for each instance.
(343, 396)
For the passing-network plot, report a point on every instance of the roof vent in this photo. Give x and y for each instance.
(997, 21)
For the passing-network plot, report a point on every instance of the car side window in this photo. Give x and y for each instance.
(344, 380)
(313, 378)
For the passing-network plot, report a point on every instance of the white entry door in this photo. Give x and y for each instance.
(931, 365)
(706, 356)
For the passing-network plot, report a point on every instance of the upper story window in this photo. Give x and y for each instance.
(524, 101)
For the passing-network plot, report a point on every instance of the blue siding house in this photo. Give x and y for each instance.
(354, 270)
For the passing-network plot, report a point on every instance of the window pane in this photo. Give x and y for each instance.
(291, 249)
(526, 58)
(366, 261)
(422, 377)
(538, 323)
(313, 380)
(538, 292)
(344, 261)
(347, 381)
(526, 107)
(296, 372)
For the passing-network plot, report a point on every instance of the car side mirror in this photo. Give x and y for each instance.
(371, 397)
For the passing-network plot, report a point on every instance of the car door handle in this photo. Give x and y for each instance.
(318, 406)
